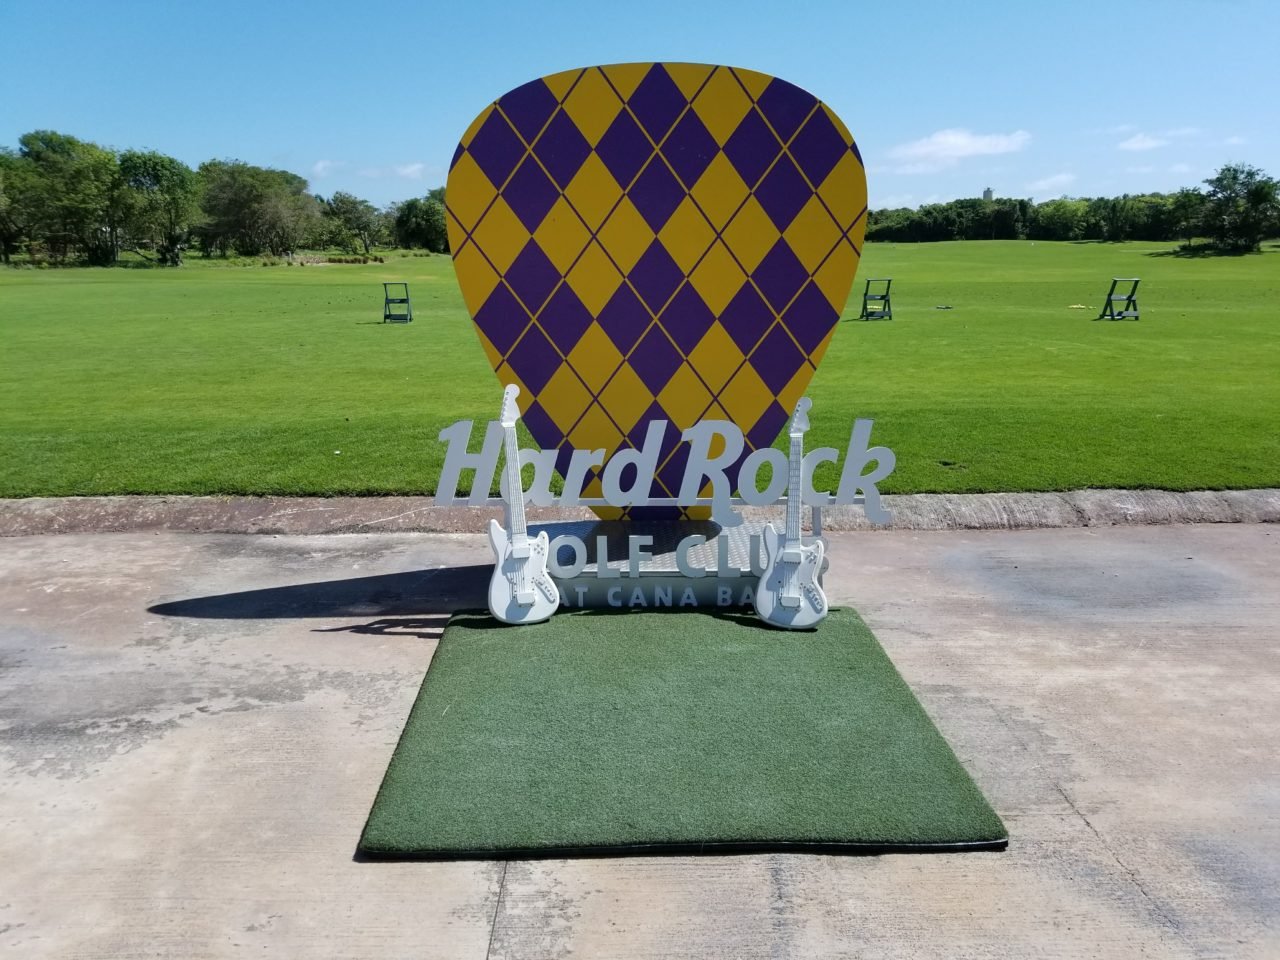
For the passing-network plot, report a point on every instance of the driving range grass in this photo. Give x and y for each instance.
(214, 379)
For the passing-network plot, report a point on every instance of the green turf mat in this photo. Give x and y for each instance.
(648, 732)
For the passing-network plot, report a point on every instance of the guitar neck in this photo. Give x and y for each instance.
(515, 486)
(794, 491)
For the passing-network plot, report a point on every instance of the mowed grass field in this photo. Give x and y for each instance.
(218, 379)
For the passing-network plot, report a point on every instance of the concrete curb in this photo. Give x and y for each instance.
(320, 515)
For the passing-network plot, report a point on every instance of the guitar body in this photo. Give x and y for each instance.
(521, 590)
(789, 594)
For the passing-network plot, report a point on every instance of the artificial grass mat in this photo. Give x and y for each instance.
(601, 732)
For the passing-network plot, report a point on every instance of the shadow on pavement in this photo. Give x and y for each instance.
(414, 593)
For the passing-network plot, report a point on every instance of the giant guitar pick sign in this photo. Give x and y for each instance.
(655, 241)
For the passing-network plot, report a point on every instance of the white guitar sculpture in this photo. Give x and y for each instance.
(521, 590)
(789, 594)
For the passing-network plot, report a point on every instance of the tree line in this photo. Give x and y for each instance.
(65, 199)
(69, 200)
(1237, 209)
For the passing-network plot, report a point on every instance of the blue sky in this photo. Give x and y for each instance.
(1033, 98)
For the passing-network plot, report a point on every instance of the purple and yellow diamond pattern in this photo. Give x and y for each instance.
(650, 241)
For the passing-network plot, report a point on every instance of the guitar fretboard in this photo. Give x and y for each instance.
(515, 486)
(794, 492)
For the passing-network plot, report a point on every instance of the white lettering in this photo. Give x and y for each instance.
(614, 596)
(637, 598)
(852, 480)
(579, 549)
(636, 553)
(662, 596)
(579, 463)
(645, 461)
(582, 595)
(682, 556)
(603, 570)
(724, 596)
(456, 459)
(544, 466)
(723, 569)
(701, 464)
(687, 599)
(749, 476)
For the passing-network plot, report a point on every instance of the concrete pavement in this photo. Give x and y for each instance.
(193, 727)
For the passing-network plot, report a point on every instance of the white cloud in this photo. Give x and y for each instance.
(1141, 141)
(1234, 141)
(322, 168)
(1180, 132)
(411, 171)
(1052, 183)
(946, 148)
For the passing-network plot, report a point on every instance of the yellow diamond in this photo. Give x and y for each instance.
(560, 83)
(845, 203)
(593, 192)
(501, 236)
(626, 397)
(716, 357)
(717, 278)
(594, 431)
(812, 234)
(564, 397)
(476, 124)
(835, 276)
(625, 77)
(626, 235)
(746, 397)
(722, 104)
(684, 398)
(687, 235)
(839, 125)
(820, 350)
(750, 235)
(689, 77)
(592, 106)
(561, 235)
(594, 278)
(754, 82)
(476, 278)
(719, 191)
(470, 191)
(595, 358)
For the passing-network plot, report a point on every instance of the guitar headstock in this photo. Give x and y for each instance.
(800, 419)
(510, 412)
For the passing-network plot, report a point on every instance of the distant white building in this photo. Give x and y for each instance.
(987, 194)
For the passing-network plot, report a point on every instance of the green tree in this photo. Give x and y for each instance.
(165, 202)
(420, 222)
(254, 210)
(357, 218)
(79, 198)
(1240, 207)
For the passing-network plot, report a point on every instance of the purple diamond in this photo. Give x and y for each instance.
(457, 155)
(656, 194)
(810, 317)
(527, 107)
(539, 422)
(689, 149)
(657, 102)
(502, 318)
(532, 277)
(856, 152)
(769, 425)
(746, 318)
(624, 149)
(785, 106)
(686, 318)
(496, 149)
(624, 318)
(672, 472)
(780, 275)
(818, 147)
(530, 194)
(563, 456)
(783, 192)
(776, 359)
(655, 276)
(654, 359)
(751, 148)
(534, 359)
(562, 148)
(565, 318)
